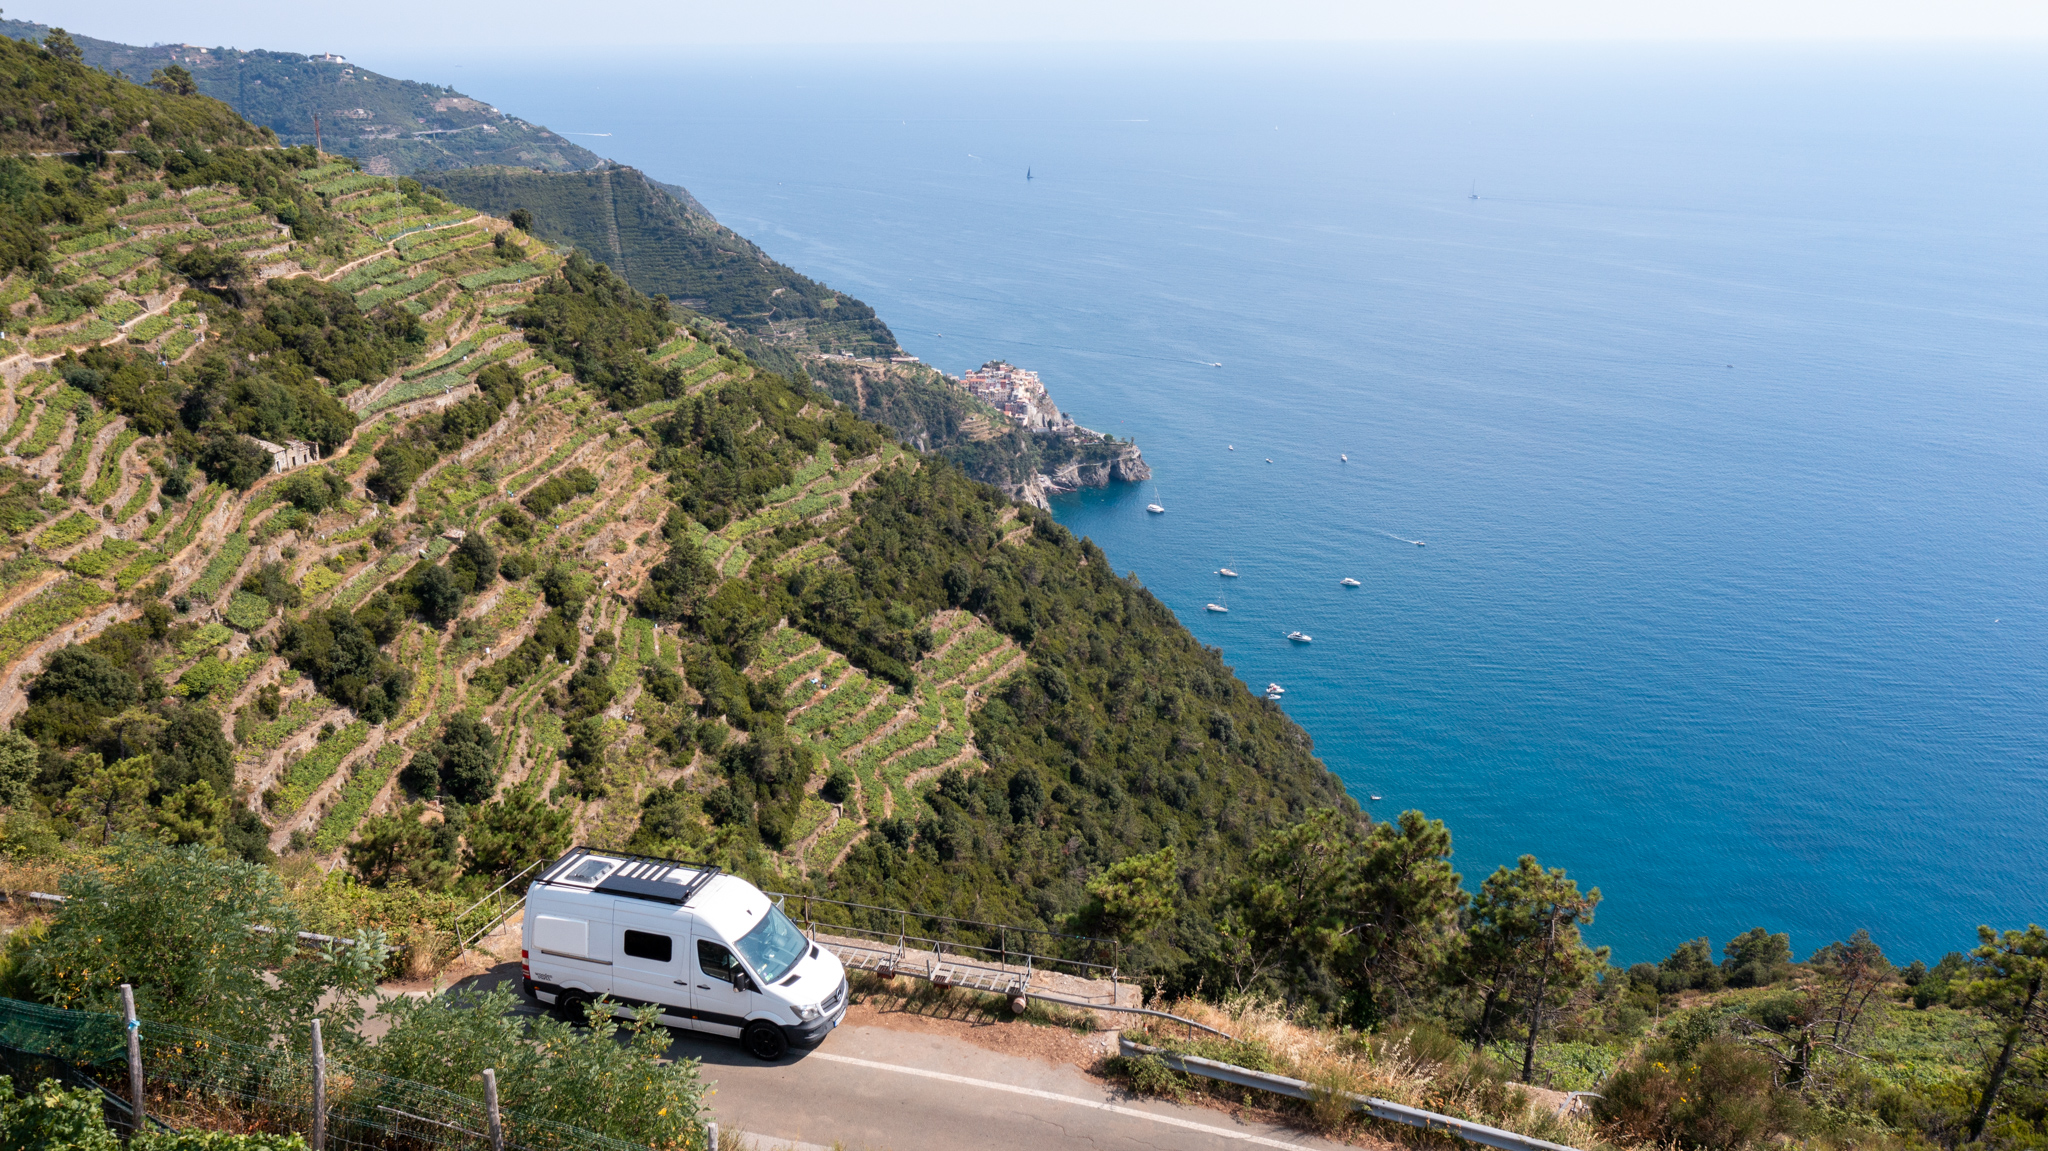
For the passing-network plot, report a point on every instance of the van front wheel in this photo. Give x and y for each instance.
(764, 1040)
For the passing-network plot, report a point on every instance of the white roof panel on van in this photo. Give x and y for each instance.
(636, 877)
(731, 906)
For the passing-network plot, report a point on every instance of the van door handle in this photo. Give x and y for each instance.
(682, 983)
(704, 986)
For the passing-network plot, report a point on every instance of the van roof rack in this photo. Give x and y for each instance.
(643, 876)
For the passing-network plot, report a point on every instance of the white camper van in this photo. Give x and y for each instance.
(711, 949)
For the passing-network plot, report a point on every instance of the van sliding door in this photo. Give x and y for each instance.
(651, 966)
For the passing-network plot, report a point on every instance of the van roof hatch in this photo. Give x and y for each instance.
(662, 882)
(634, 876)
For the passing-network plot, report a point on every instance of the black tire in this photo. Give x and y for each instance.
(573, 1007)
(764, 1040)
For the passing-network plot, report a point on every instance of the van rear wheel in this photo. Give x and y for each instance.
(764, 1040)
(573, 1007)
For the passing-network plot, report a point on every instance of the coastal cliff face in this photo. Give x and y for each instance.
(1125, 465)
(927, 410)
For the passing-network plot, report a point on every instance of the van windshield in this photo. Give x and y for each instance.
(773, 946)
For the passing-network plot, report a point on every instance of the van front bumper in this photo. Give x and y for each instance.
(812, 1034)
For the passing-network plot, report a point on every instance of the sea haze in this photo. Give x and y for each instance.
(1719, 411)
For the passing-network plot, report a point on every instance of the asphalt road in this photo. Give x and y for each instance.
(871, 1088)
(877, 1089)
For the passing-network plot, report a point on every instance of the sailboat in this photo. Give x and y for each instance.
(1222, 606)
(1027, 173)
(1475, 190)
(1154, 507)
(1218, 608)
(1226, 573)
(1342, 458)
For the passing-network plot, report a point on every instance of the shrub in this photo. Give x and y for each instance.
(594, 1078)
(175, 923)
(1720, 1098)
(52, 1117)
(248, 611)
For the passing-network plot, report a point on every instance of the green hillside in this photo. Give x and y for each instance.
(695, 607)
(664, 243)
(394, 127)
(569, 566)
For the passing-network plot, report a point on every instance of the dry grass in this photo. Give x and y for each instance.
(1420, 1066)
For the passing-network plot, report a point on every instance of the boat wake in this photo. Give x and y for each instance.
(1403, 539)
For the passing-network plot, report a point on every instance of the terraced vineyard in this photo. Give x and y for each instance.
(314, 768)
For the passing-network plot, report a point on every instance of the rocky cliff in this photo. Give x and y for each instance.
(1123, 464)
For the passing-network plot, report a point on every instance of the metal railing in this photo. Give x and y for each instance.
(1014, 966)
(1378, 1108)
(496, 907)
(1007, 946)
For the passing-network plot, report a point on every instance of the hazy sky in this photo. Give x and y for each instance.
(389, 25)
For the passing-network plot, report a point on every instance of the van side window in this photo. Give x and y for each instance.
(714, 960)
(647, 945)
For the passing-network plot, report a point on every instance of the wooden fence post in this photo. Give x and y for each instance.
(491, 1105)
(711, 1137)
(319, 1090)
(134, 1057)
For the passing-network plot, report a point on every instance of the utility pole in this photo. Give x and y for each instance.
(316, 133)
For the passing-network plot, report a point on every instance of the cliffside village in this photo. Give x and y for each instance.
(1018, 394)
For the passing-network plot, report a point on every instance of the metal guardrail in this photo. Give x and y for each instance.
(1004, 955)
(1189, 1023)
(1010, 977)
(1378, 1108)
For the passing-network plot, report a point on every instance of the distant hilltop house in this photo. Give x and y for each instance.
(289, 454)
(329, 58)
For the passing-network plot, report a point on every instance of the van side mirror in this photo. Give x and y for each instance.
(741, 981)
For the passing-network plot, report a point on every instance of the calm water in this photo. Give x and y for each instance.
(1720, 412)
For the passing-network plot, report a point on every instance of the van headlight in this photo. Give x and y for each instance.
(807, 1014)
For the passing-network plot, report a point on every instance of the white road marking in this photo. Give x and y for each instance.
(770, 1143)
(1189, 1124)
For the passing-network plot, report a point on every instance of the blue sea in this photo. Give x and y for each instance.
(1719, 413)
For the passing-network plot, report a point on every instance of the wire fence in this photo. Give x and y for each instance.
(194, 1079)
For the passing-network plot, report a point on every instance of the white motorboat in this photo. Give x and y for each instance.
(1155, 509)
(1275, 689)
(1300, 637)
(1347, 581)
(1342, 458)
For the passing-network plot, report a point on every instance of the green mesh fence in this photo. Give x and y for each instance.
(206, 1081)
